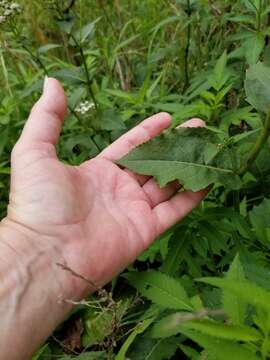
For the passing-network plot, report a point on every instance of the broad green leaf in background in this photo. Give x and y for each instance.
(84, 34)
(76, 96)
(168, 326)
(257, 86)
(220, 74)
(178, 246)
(110, 120)
(260, 220)
(71, 76)
(160, 288)
(92, 355)
(235, 116)
(220, 349)
(191, 353)
(223, 331)
(234, 306)
(245, 290)
(176, 323)
(139, 329)
(183, 154)
(146, 348)
(45, 48)
(254, 270)
(253, 47)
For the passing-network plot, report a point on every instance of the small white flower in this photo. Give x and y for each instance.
(84, 107)
(14, 6)
(7, 12)
(2, 19)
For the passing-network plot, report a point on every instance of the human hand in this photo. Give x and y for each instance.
(98, 216)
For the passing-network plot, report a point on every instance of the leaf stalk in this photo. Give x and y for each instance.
(257, 146)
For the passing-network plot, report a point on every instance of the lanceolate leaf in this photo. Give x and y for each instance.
(197, 157)
(161, 289)
(234, 306)
(177, 323)
(146, 348)
(260, 219)
(178, 246)
(139, 329)
(245, 290)
(257, 86)
(223, 331)
(221, 349)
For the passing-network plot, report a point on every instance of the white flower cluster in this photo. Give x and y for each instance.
(84, 107)
(8, 8)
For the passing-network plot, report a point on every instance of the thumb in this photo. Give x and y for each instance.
(46, 118)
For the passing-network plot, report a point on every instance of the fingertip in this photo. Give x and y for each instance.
(47, 115)
(158, 122)
(194, 122)
(53, 97)
(165, 117)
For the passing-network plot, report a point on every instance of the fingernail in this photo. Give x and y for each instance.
(45, 84)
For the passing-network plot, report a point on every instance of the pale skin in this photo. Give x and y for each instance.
(95, 218)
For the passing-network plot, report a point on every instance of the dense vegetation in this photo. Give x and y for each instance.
(202, 291)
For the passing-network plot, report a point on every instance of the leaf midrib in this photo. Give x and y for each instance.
(172, 296)
(186, 163)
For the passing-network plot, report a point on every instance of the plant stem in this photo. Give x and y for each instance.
(187, 45)
(257, 146)
(89, 85)
(88, 80)
(259, 16)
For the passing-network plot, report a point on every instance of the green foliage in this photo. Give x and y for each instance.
(121, 61)
(257, 86)
(161, 289)
(233, 306)
(197, 157)
(221, 349)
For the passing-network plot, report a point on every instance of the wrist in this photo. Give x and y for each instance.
(32, 289)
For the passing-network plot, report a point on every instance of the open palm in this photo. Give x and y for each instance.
(98, 216)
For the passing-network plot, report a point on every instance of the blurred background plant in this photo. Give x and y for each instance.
(120, 61)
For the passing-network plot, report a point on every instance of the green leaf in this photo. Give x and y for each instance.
(72, 76)
(233, 305)
(45, 48)
(235, 116)
(175, 323)
(260, 220)
(160, 288)
(168, 326)
(181, 154)
(85, 33)
(257, 86)
(140, 328)
(223, 331)
(178, 246)
(220, 74)
(245, 290)
(146, 348)
(254, 46)
(254, 271)
(110, 120)
(190, 352)
(221, 349)
(91, 355)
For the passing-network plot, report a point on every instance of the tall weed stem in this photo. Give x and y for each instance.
(257, 146)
